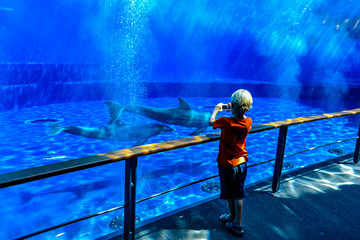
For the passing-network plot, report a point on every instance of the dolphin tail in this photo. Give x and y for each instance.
(55, 129)
(115, 110)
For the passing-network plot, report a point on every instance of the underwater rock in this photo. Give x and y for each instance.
(337, 151)
(117, 222)
(286, 165)
(211, 187)
(45, 121)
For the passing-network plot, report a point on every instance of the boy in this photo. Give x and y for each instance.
(233, 157)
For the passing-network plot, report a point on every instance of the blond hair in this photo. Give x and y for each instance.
(242, 100)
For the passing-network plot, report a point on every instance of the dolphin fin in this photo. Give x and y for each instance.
(115, 110)
(198, 131)
(26, 197)
(184, 104)
(141, 141)
(55, 129)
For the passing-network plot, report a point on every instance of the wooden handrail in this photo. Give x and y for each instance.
(55, 169)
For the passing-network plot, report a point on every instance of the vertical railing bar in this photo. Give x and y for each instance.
(279, 158)
(130, 198)
(133, 198)
(127, 198)
(357, 147)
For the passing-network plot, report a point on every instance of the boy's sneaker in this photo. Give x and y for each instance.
(225, 218)
(237, 230)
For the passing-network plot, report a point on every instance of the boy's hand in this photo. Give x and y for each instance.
(218, 107)
(228, 109)
(223, 107)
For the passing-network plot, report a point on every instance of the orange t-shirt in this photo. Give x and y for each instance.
(232, 149)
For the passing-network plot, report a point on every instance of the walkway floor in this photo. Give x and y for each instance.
(321, 202)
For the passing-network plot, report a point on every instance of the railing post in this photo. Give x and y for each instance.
(357, 147)
(130, 198)
(279, 158)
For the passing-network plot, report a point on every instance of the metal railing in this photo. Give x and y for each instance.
(130, 156)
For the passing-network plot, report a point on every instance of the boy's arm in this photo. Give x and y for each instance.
(218, 108)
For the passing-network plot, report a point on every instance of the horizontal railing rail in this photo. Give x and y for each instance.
(55, 169)
(131, 154)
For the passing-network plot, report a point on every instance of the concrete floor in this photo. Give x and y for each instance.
(319, 202)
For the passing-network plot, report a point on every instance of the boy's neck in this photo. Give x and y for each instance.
(240, 116)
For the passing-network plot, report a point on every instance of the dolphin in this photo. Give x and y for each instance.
(77, 191)
(182, 115)
(115, 130)
(172, 169)
(6, 9)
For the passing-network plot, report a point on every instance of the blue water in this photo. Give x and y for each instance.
(60, 59)
(77, 194)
